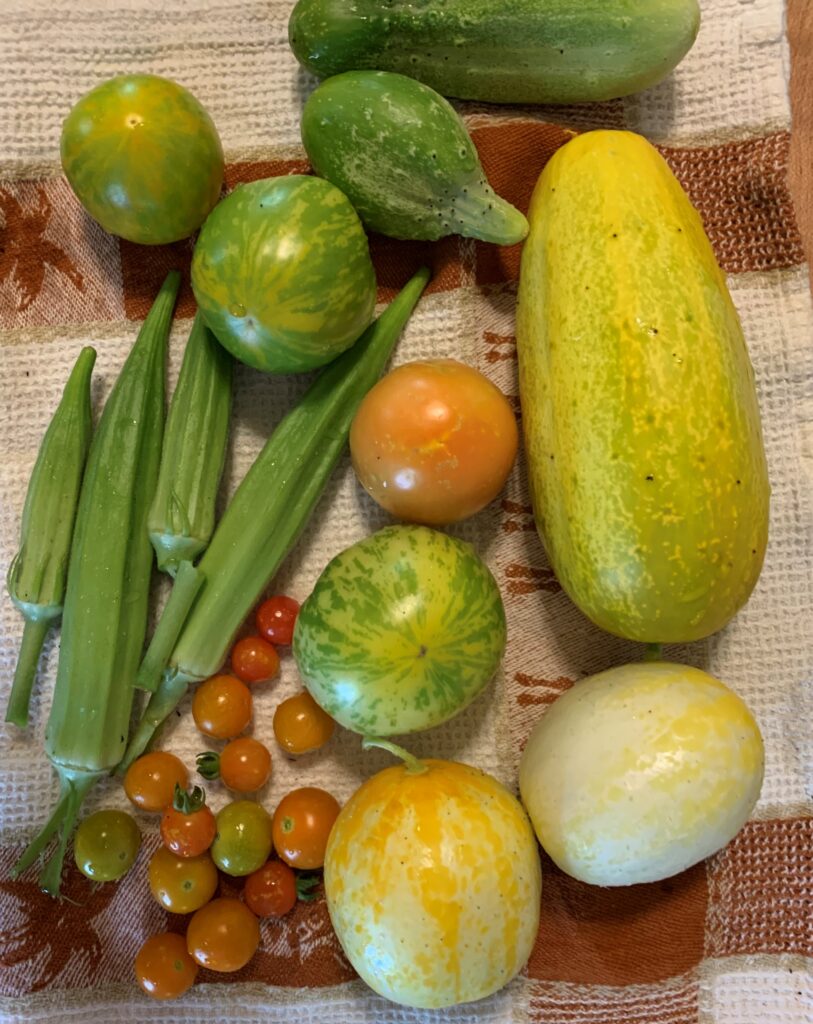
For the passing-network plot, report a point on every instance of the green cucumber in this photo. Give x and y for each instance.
(402, 156)
(501, 51)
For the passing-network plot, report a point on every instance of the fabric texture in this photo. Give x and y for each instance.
(728, 942)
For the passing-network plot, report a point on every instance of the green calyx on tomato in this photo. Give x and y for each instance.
(282, 274)
(402, 631)
(144, 158)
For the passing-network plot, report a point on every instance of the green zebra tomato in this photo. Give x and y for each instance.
(402, 631)
(282, 273)
(144, 158)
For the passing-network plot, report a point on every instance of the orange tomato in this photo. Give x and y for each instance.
(271, 890)
(182, 885)
(300, 725)
(434, 441)
(221, 707)
(188, 826)
(276, 618)
(223, 935)
(301, 826)
(245, 765)
(150, 781)
(254, 660)
(163, 966)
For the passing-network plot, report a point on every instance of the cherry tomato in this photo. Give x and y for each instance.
(243, 839)
(164, 968)
(302, 824)
(300, 725)
(223, 935)
(245, 765)
(151, 780)
(276, 619)
(434, 441)
(274, 889)
(188, 826)
(182, 884)
(221, 707)
(106, 845)
(254, 660)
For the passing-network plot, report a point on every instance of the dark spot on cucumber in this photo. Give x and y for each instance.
(552, 457)
(739, 482)
(753, 551)
(653, 330)
(649, 477)
(615, 234)
(561, 51)
(702, 460)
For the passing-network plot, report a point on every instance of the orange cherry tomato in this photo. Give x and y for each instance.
(245, 765)
(151, 780)
(221, 707)
(301, 826)
(188, 826)
(254, 660)
(182, 885)
(271, 890)
(434, 441)
(163, 966)
(276, 619)
(300, 725)
(223, 935)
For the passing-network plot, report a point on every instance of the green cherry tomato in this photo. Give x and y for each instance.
(144, 158)
(243, 841)
(106, 845)
(282, 273)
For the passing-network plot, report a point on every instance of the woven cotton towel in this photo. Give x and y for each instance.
(727, 942)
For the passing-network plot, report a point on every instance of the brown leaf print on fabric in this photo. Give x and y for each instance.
(519, 516)
(538, 692)
(501, 347)
(525, 579)
(25, 252)
(55, 932)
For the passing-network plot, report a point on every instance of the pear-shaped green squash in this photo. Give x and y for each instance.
(402, 155)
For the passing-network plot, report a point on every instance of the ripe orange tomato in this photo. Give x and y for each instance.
(223, 935)
(163, 966)
(271, 890)
(300, 725)
(221, 707)
(254, 660)
(182, 884)
(434, 441)
(188, 826)
(301, 826)
(151, 780)
(276, 618)
(245, 765)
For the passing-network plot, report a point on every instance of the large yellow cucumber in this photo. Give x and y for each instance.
(642, 429)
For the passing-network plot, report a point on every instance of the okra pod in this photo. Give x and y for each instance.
(36, 577)
(105, 613)
(269, 509)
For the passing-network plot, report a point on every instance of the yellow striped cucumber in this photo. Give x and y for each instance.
(642, 426)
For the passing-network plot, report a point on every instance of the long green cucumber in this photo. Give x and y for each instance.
(640, 412)
(501, 51)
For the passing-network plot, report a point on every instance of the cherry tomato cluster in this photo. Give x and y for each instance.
(243, 840)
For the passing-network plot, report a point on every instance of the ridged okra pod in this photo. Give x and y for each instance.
(36, 577)
(182, 515)
(269, 509)
(105, 613)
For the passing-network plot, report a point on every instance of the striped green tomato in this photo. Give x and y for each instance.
(144, 158)
(282, 273)
(402, 631)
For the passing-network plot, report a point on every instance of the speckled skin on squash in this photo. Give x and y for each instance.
(640, 414)
(402, 155)
(501, 51)
(401, 632)
(282, 274)
(433, 884)
(639, 772)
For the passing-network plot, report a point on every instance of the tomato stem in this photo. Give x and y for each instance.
(413, 765)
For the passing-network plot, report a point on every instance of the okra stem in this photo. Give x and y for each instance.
(169, 694)
(34, 633)
(188, 581)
